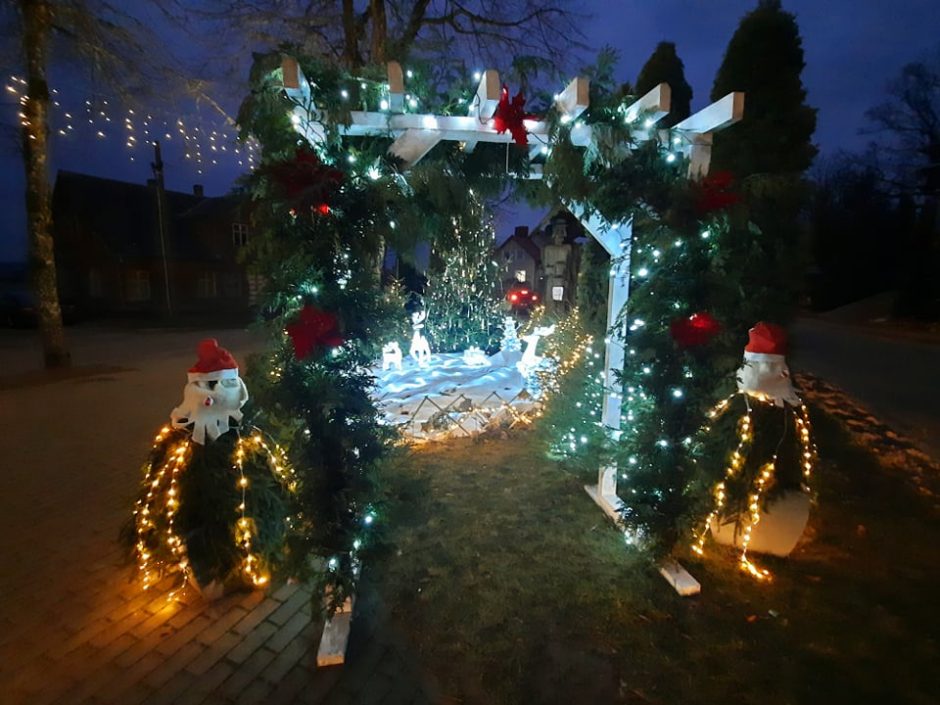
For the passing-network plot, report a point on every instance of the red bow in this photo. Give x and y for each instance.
(305, 181)
(313, 328)
(509, 116)
(694, 330)
(715, 194)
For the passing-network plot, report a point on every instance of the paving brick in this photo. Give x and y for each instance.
(288, 631)
(251, 643)
(256, 616)
(247, 672)
(207, 684)
(289, 686)
(117, 690)
(187, 634)
(320, 686)
(293, 653)
(213, 653)
(290, 607)
(376, 687)
(221, 625)
(255, 694)
(174, 665)
(285, 591)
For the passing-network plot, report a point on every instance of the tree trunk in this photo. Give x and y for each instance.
(37, 21)
(350, 36)
(379, 31)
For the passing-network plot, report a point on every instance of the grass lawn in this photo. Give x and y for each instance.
(514, 588)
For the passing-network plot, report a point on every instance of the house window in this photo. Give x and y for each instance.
(94, 284)
(207, 286)
(138, 285)
(239, 234)
(520, 275)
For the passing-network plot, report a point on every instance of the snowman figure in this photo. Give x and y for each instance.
(213, 396)
(764, 373)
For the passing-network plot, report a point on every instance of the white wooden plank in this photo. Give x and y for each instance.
(655, 105)
(679, 578)
(333, 642)
(396, 87)
(484, 104)
(717, 116)
(575, 99)
(411, 146)
(295, 83)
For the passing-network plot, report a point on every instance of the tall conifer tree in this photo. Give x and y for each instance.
(665, 66)
(765, 60)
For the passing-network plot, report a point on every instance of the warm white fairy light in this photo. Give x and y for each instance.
(764, 478)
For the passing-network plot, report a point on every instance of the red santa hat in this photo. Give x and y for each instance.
(766, 341)
(214, 363)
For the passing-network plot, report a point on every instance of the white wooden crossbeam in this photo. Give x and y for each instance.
(653, 106)
(717, 116)
(700, 127)
(575, 99)
(484, 103)
(295, 83)
(411, 146)
(396, 86)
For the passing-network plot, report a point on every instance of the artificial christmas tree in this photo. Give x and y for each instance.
(216, 500)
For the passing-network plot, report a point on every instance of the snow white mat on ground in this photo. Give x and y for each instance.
(456, 394)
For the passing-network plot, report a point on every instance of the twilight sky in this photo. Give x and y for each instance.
(852, 47)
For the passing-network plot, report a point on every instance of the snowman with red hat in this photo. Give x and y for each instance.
(213, 396)
(765, 374)
(760, 500)
(209, 484)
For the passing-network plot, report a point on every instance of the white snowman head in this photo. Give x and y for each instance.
(764, 373)
(214, 394)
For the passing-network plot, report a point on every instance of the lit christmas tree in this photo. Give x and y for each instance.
(463, 301)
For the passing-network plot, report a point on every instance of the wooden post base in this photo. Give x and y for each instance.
(332, 651)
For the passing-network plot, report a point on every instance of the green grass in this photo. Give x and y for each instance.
(513, 588)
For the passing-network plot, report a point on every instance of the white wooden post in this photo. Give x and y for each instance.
(699, 129)
(616, 240)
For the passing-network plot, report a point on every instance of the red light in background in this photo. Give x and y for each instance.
(513, 297)
(535, 297)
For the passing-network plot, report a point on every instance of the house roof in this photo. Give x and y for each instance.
(526, 244)
(124, 215)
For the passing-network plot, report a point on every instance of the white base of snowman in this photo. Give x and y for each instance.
(781, 526)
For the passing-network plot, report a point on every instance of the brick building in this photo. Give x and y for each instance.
(113, 257)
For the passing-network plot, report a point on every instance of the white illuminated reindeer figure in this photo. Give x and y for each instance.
(391, 356)
(529, 359)
(420, 350)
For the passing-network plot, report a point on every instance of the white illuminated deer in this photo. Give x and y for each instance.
(529, 359)
(420, 350)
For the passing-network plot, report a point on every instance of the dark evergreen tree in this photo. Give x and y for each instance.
(665, 66)
(765, 59)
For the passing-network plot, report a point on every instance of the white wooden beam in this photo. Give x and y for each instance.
(411, 146)
(575, 99)
(295, 83)
(396, 87)
(655, 105)
(716, 116)
(484, 103)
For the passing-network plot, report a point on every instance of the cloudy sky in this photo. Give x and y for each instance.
(853, 47)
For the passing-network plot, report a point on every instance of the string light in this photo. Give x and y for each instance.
(764, 479)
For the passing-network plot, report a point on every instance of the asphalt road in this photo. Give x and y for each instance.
(896, 378)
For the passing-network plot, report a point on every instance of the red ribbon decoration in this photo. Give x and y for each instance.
(312, 329)
(715, 194)
(509, 116)
(306, 182)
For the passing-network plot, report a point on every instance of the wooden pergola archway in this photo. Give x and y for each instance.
(416, 134)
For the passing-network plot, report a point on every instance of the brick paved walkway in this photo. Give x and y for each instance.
(75, 627)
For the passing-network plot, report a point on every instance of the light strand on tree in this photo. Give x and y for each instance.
(735, 462)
